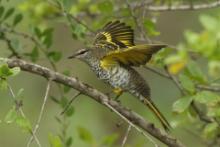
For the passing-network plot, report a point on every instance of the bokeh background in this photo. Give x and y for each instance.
(96, 120)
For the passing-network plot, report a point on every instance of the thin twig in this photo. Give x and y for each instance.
(156, 71)
(126, 136)
(96, 95)
(138, 25)
(41, 112)
(70, 102)
(23, 115)
(132, 124)
(182, 7)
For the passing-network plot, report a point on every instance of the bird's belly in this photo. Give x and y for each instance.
(119, 78)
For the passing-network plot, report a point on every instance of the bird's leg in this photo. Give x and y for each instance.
(118, 92)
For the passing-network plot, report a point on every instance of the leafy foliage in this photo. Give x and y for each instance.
(29, 30)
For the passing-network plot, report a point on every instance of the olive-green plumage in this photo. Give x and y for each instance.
(113, 56)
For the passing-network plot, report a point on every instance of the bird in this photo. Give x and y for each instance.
(113, 56)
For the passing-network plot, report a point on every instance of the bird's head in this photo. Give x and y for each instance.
(81, 54)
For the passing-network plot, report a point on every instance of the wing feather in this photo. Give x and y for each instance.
(115, 33)
(132, 56)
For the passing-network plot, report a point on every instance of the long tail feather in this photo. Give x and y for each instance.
(159, 115)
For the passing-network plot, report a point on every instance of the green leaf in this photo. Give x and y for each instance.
(23, 123)
(15, 71)
(69, 141)
(105, 7)
(187, 83)
(182, 104)
(1, 11)
(47, 37)
(150, 27)
(18, 18)
(8, 13)
(19, 93)
(211, 130)
(55, 141)
(63, 102)
(34, 55)
(16, 44)
(209, 22)
(11, 116)
(109, 140)
(85, 135)
(78, 31)
(5, 71)
(55, 56)
(207, 97)
(194, 72)
(3, 84)
(70, 111)
(37, 32)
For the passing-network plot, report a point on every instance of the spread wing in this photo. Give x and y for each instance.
(132, 56)
(115, 35)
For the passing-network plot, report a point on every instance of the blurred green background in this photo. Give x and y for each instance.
(88, 114)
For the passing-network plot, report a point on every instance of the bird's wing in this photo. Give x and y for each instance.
(131, 56)
(116, 35)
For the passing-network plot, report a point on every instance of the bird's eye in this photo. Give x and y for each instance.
(82, 52)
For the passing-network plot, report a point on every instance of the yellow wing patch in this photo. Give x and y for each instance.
(132, 56)
(115, 33)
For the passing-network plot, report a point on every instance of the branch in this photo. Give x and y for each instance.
(126, 136)
(182, 7)
(23, 115)
(97, 96)
(209, 88)
(41, 114)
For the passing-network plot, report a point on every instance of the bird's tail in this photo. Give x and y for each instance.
(159, 115)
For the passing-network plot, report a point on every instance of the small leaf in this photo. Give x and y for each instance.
(5, 71)
(109, 140)
(207, 97)
(8, 13)
(69, 142)
(182, 104)
(19, 93)
(85, 135)
(1, 11)
(209, 22)
(34, 55)
(16, 44)
(70, 111)
(11, 116)
(105, 7)
(15, 71)
(211, 130)
(187, 83)
(3, 84)
(18, 18)
(54, 55)
(195, 72)
(47, 37)
(150, 27)
(55, 141)
(23, 123)
(37, 32)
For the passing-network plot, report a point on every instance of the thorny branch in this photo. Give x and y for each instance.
(133, 117)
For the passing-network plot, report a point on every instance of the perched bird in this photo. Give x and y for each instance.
(113, 56)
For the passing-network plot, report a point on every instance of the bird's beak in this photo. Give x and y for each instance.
(72, 56)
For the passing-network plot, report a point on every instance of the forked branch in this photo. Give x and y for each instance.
(96, 95)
